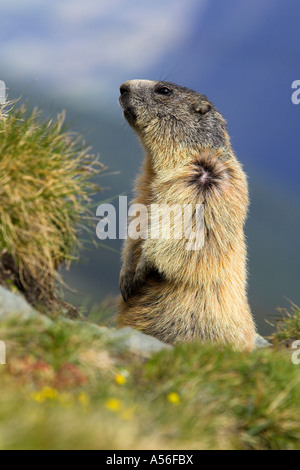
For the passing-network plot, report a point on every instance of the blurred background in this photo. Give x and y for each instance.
(74, 54)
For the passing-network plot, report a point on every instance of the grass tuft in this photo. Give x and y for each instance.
(287, 327)
(45, 174)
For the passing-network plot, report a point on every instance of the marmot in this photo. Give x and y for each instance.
(169, 292)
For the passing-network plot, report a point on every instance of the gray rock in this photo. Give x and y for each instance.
(137, 342)
(14, 305)
(145, 345)
(127, 339)
(261, 342)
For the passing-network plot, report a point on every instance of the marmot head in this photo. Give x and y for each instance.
(171, 114)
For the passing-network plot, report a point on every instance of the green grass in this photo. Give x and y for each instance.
(45, 174)
(66, 386)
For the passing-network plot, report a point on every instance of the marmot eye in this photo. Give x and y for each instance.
(163, 90)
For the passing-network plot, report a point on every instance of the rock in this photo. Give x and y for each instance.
(145, 345)
(137, 342)
(261, 342)
(14, 305)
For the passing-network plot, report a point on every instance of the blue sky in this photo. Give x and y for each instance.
(81, 47)
(243, 55)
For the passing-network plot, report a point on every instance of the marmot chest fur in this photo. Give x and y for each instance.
(168, 291)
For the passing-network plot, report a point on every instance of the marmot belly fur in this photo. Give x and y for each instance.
(169, 292)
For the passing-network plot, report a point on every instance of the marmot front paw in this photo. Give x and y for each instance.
(131, 281)
(126, 284)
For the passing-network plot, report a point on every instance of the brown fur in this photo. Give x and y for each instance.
(169, 292)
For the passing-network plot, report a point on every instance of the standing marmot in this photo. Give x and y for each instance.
(168, 291)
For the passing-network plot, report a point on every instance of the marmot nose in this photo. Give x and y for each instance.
(125, 88)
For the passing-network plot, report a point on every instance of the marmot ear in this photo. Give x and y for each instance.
(203, 107)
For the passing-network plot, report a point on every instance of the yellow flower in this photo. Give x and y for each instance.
(37, 396)
(113, 404)
(120, 379)
(47, 393)
(174, 398)
(84, 399)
